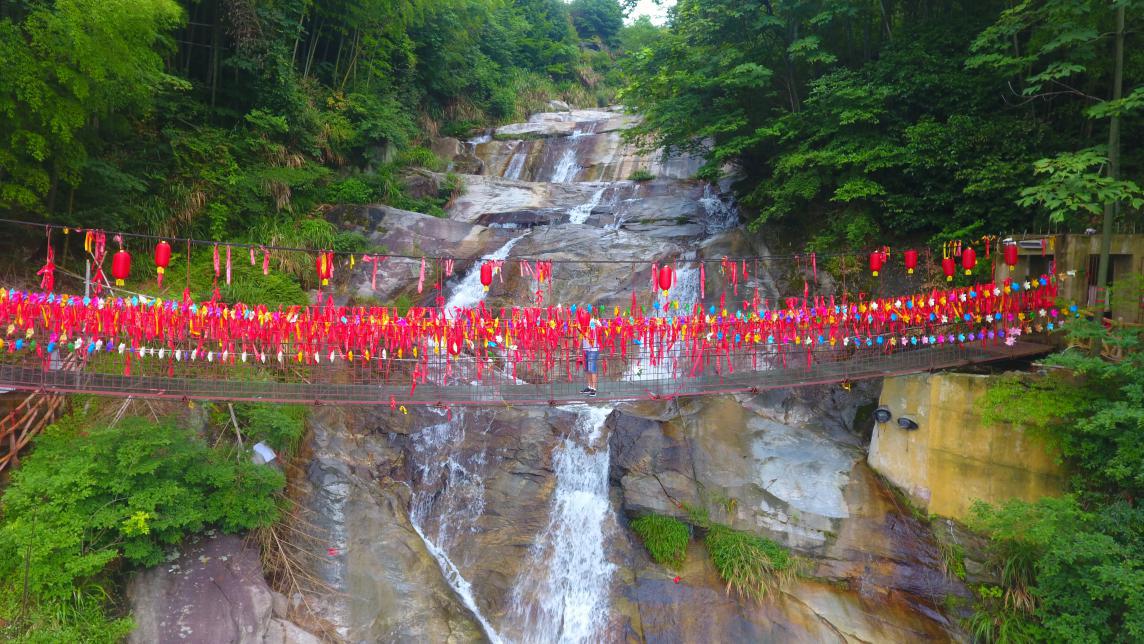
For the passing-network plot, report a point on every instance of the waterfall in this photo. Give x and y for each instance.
(620, 202)
(469, 291)
(686, 289)
(482, 138)
(686, 292)
(562, 592)
(563, 595)
(721, 216)
(447, 500)
(580, 214)
(449, 495)
(516, 163)
(566, 167)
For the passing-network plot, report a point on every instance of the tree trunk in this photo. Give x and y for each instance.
(298, 36)
(313, 48)
(1110, 209)
(353, 62)
(216, 42)
(338, 58)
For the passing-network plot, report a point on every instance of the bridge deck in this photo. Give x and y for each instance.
(331, 386)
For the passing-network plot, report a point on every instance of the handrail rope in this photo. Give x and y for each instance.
(473, 258)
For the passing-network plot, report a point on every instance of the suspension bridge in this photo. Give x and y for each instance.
(136, 346)
(329, 354)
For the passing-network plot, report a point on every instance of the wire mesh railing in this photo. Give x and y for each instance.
(436, 377)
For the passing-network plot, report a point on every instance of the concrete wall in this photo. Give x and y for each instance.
(1079, 253)
(954, 458)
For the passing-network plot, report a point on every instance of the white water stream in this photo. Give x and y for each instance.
(563, 593)
(566, 167)
(686, 293)
(580, 214)
(516, 163)
(447, 500)
(449, 495)
(469, 291)
(721, 216)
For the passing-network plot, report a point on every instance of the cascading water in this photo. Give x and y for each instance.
(516, 163)
(449, 495)
(721, 216)
(686, 293)
(620, 201)
(563, 595)
(469, 291)
(448, 498)
(566, 167)
(580, 214)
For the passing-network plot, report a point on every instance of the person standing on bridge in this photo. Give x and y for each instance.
(591, 346)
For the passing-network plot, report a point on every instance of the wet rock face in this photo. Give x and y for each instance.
(580, 145)
(803, 484)
(387, 585)
(213, 591)
(699, 609)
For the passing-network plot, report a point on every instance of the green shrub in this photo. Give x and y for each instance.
(665, 538)
(90, 497)
(247, 285)
(751, 565)
(641, 175)
(419, 157)
(279, 426)
(348, 191)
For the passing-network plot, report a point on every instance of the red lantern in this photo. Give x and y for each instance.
(665, 278)
(162, 259)
(1011, 253)
(911, 260)
(968, 260)
(121, 266)
(324, 264)
(487, 274)
(877, 259)
(949, 267)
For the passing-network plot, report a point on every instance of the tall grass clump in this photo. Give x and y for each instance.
(665, 538)
(752, 566)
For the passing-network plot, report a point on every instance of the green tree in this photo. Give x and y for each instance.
(1068, 574)
(601, 19)
(1092, 408)
(911, 118)
(1072, 49)
(639, 34)
(67, 64)
(89, 497)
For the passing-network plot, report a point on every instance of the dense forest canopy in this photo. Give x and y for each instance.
(226, 118)
(882, 118)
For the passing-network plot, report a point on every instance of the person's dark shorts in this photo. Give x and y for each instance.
(591, 360)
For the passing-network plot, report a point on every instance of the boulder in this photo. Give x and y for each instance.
(558, 106)
(446, 147)
(419, 183)
(212, 591)
(699, 608)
